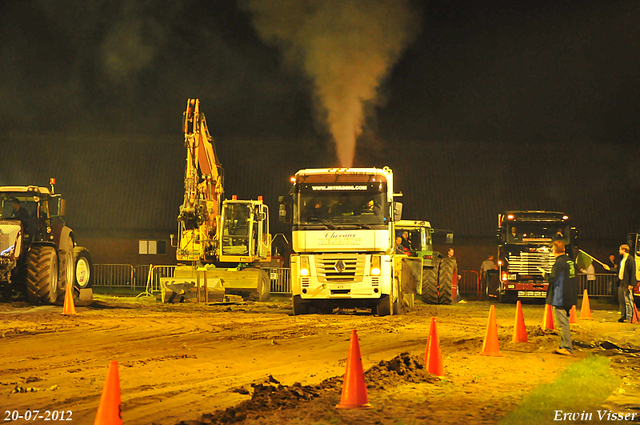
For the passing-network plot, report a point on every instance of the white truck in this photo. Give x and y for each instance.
(343, 241)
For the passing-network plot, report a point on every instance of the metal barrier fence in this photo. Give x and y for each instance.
(137, 277)
(469, 282)
(114, 275)
(598, 287)
(280, 278)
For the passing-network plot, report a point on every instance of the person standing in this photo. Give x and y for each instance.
(612, 268)
(591, 278)
(562, 294)
(627, 276)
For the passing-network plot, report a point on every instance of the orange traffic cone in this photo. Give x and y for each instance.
(109, 410)
(585, 312)
(573, 316)
(433, 356)
(491, 345)
(635, 317)
(69, 307)
(354, 390)
(519, 330)
(547, 318)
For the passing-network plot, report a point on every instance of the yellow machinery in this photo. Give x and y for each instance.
(222, 241)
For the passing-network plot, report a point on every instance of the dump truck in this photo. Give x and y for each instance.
(221, 242)
(343, 245)
(39, 257)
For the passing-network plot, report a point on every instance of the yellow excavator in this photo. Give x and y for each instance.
(221, 242)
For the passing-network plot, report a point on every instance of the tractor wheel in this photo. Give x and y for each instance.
(83, 268)
(67, 265)
(42, 275)
(299, 306)
(430, 284)
(445, 281)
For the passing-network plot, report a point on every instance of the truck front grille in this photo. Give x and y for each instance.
(340, 268)
(527, 263)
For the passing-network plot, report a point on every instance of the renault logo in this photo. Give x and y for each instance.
(340, 266)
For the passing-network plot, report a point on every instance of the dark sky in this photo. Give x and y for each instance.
(536, 74)
(512, 71)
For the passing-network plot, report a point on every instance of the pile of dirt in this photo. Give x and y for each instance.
(397, 371)
(270, 395)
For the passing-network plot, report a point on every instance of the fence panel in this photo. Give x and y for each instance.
(113, 275)
(600, 287)
(469, 283)
(280, 278)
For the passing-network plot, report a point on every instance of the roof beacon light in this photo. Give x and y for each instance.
(260, 198)
(52, 182)
(565, 217)
(510, 217)
(234, 197)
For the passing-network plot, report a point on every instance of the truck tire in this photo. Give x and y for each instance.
(42, 275)
(384, 306)
(430, 285)
(445, 281)
(299, 306)
(507, 297)
(83, 270)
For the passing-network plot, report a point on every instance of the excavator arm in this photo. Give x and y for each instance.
(203, 187)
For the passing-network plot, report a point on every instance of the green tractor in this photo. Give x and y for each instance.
(437, 272)
(38, 253)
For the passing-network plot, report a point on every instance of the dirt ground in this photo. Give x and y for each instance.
(256, 363)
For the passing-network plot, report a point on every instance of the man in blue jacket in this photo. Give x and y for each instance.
(562, 294)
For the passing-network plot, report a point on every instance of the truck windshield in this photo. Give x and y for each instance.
(331, 207)
(537, 232)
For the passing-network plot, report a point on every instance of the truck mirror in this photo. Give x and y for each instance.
(397, 211)
(449, 237)
(61, 206)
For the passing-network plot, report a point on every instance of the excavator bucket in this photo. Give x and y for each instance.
(212, 284)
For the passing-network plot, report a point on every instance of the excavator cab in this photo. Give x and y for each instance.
(245, 232)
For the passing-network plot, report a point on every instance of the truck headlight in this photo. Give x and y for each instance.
(375, 265)
(304, 266)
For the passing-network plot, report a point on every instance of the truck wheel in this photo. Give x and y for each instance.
(492, 283)
(445, 281)
(83, 268)
(67, 265)
(299, 306)
(430, 285)
(384, 306)
(42, 275)
(507, 297)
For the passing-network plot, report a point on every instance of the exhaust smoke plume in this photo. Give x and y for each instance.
(346, 46)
